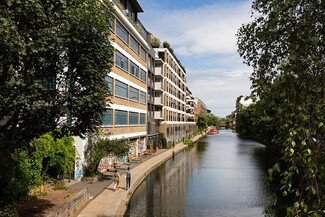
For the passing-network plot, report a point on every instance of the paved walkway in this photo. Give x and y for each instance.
(107, 203)
(98, 187)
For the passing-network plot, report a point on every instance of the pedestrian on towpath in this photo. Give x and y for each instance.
(128, 178)
(116, 179)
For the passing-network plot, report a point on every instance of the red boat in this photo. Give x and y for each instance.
(212, 132)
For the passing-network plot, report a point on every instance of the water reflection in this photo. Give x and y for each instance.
(221, 176)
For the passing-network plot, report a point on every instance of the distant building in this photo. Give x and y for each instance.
(170, 99)
(200, 107)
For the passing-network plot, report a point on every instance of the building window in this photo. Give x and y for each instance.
(111, 23)
(134, 45)
(143, 54)
(143, 97)
(134, 94)
(121, 117)
(122, 32)
(133, 118)
(121, 61)
(134, 69)
(142, 118)
(109, 81)
(108, 117)
(143, 75)
(121, 89)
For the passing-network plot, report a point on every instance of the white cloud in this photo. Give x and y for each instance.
(204, 30)
(204, 39)
(220, 94)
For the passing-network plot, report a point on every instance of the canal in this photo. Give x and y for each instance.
(222, 175)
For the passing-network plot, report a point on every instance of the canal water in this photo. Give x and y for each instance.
(222, 175)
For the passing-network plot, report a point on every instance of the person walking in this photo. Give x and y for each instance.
(128, 178)
(116, 179)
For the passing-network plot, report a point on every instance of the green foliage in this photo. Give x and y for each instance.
(162, 141)
(189, 142)
(54, 56)
(202, 122)
(285, 47)
(196, 131)
(213, 121)
(60, 185)
(99, 147)
(155, 42)
(229, 123)
(9, 211)
(45, 157)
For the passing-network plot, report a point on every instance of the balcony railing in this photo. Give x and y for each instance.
(137, 24)
(159, 115)
(159, 71)
(158, 86)
(158, 101)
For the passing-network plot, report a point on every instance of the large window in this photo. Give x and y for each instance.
(109, 81)
(111, 23)
(121, 61)
(121, 89)
(121, 117)
(134, 94)
(108, 117)
(134, 45)
(143, 75)
(134, 69)
(143, 54)
(133, 118)
(122, 32)
(142, 118)
(143, 97)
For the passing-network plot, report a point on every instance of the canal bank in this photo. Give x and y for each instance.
(110, 203)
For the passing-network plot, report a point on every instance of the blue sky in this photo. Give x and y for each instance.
(202, 34)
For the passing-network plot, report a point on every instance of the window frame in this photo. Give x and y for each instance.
(122, 32)
(143, 95)
(107, 116)
(134, 69)
(133, 118)
(142, 118)
(134, 42)
(133, 92)
(121, 61)
(120, 118)
(121, 89)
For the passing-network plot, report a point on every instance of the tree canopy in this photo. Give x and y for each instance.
(285, 47)
(54, 56)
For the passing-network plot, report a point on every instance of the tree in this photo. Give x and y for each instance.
(285, 46)
(202, 122)
(54, 59)
(213, 120)
(54, 56)
(44, 158)
(155, 42)
(98, 147)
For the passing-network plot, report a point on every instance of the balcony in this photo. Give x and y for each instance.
(159, 115)
(159, 86)
(159, 72)
(159, 101)
(130, 12)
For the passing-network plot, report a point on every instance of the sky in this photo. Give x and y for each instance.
(202, 34)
